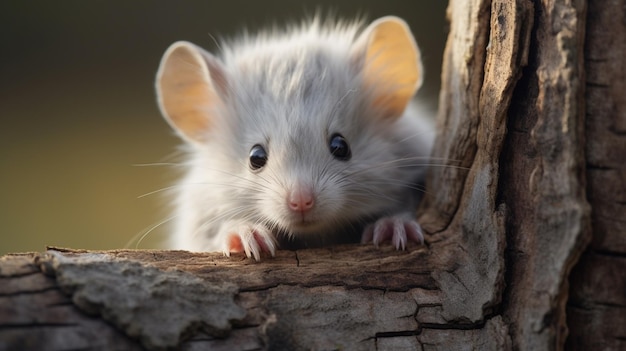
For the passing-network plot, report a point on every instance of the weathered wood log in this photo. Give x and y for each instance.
(596, 309)
(531, 123)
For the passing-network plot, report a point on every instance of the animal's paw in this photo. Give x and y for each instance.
(399, 229)
(253, 239)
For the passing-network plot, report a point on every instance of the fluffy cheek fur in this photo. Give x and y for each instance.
(327, 212)
(377, 177)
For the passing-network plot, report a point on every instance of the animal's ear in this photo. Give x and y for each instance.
(190, 87)
(390, 62)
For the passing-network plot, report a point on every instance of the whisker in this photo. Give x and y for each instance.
(420, 133)
(394, 164)
(159, 191)
(142, 234)
(157, 164)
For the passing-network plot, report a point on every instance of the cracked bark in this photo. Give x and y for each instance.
(532, 113)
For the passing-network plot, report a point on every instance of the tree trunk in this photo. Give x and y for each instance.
(596, 309)
(532, 136)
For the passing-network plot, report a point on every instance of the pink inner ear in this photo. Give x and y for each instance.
(186, 116)
(391, 65)
(187, 95)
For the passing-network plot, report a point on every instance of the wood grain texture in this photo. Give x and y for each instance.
(35, 314)
(353, 297)
(543, 177)
(458, 117)
(597, 305)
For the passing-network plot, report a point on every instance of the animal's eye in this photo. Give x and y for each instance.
(258, 157)
(339, 147)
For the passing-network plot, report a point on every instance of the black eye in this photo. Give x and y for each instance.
(339, 147)
(258, 157)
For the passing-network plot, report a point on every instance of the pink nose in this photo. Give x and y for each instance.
(301, 200)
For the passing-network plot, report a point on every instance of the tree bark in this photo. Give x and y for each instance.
(596, 309)
(531, 125)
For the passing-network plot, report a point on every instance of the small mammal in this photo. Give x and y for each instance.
(301, 137)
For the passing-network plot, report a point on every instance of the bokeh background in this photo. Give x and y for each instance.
(78, 116)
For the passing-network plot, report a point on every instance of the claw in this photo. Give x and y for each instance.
(399, 229)
(414, 232)
(251, 239)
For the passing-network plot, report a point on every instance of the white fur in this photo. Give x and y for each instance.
(290, 92)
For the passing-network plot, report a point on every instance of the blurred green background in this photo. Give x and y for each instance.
(78, 111)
